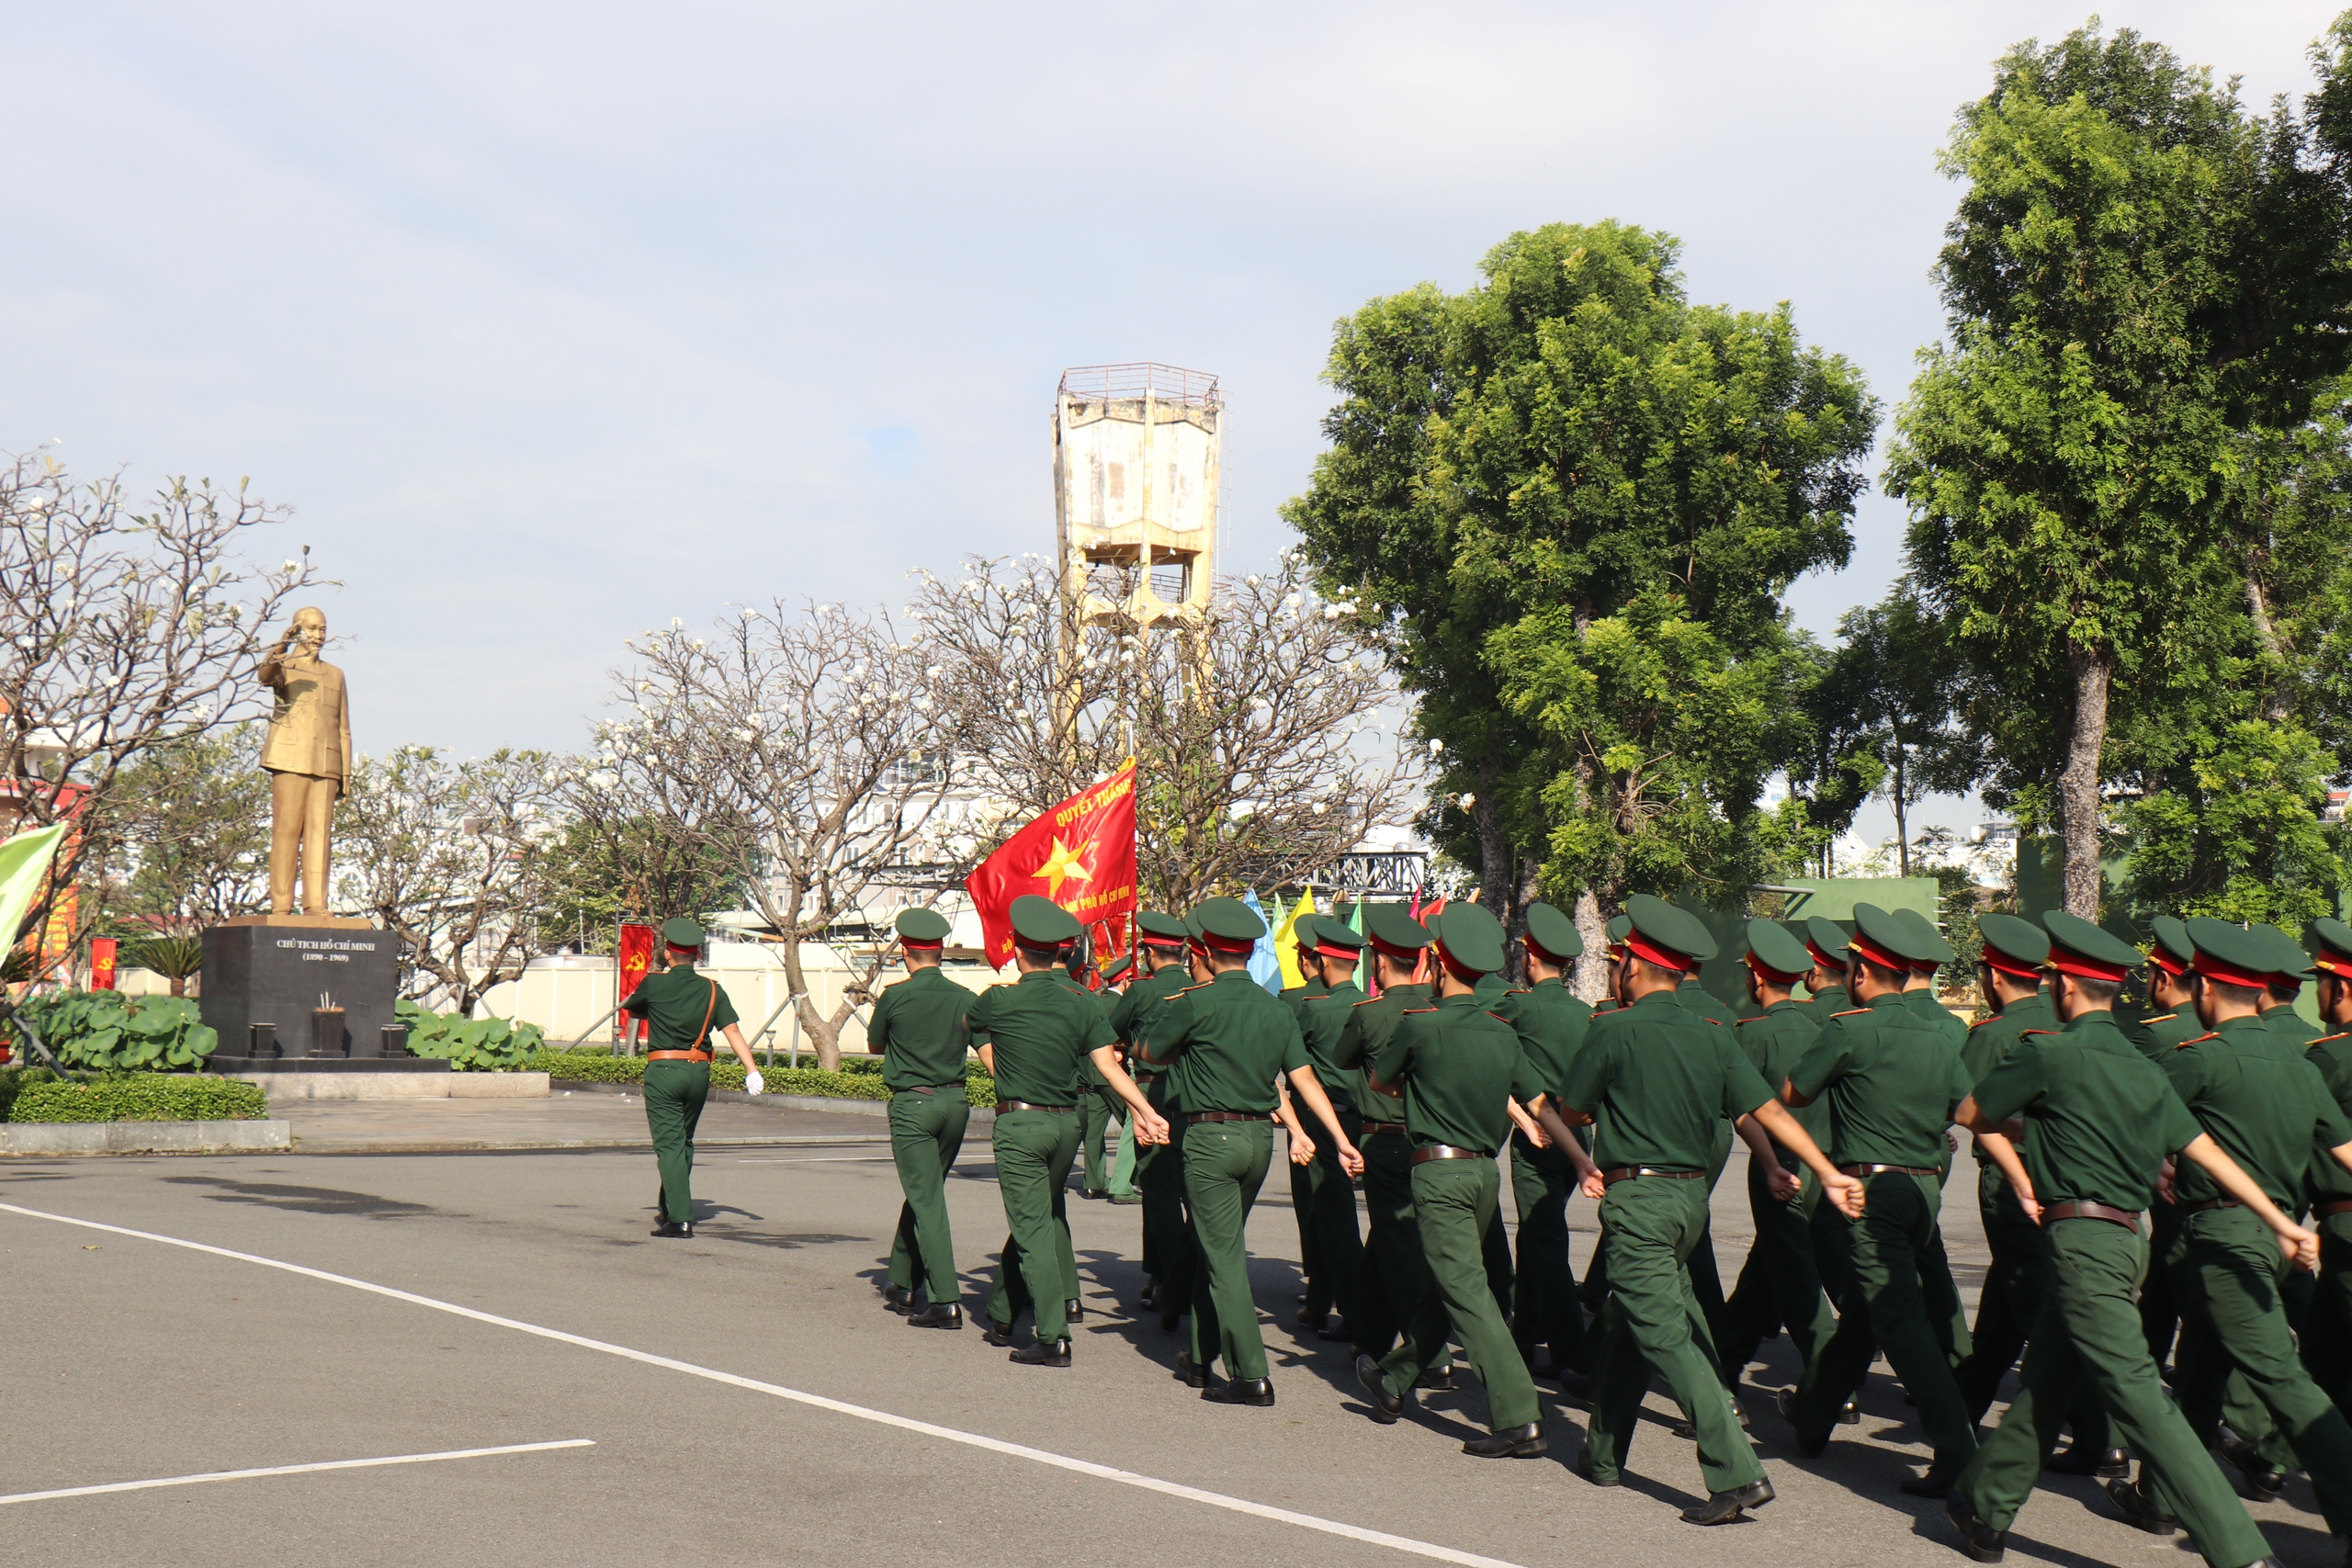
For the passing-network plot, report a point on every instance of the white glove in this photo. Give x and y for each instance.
(754, 1083)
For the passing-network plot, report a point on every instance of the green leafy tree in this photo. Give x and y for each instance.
(189, 822)
(2139, 273)
(1889, 699)
(603, 867)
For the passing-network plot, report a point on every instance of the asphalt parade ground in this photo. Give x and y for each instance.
(482, 1357)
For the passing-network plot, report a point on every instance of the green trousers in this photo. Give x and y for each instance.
(2010, 1304)
(2327, 1338)
(1312, 1270)
(1099, 1107)
(1034, 1150)
(674, 1092)
(1778, 1284)
(1833, 1244)
(1886, 1309)
(1170, 1253)
(1545, 1309)
(2233, 1318)
(926, 1134)
(1653, 1324)
(1454, 1202)
(1225, 1164)
(2159, 1317)
(2090, 1337)
(1335, 1277)
(1393, 1270)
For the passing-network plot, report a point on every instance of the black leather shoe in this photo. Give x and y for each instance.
(1978, 1540)
(1309, 1318)
(2107, 1464)
(1850, 1413)
(1187, 1374)
(1150, 1288)
(898, 1299)
(1688, 1432)
(1935, 1481)
(1240, 1391)
(1044, 1353)
(936, 1317)
(1075, 1311)
(2264, 1481)
(1385, 1404)
(1437, 1381)
(1335, 1331)
(997, 1334)
(1511, 1442)
(1811, 1441)
(1721, 1507)
(1573, 1382)
(675, 1230)
(2140, 1508)
(1582, 1466)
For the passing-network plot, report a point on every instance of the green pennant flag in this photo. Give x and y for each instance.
(24, 877)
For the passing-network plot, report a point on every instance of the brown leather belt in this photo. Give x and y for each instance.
(2084, 1209)
(2211, 1204)
(1429, 1152)
(1890, 1170)
(1627, 1172)
(932, 1087)
(1229, 1116)
(677, 1056)
(2332, 1207)
(1374, 1129)
(1005, 1105)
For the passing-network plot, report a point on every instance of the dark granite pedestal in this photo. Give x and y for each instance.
(273, 970)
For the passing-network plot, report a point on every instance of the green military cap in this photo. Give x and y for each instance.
(1227, 925)
(1040, 922)
(1111, 975)
(1553, 932)
(2078, 946)
(2228, 954)
(682, 930)
(1774, 954)
(1885, 941)
(2017, 948)
(1826, 938)
(923, 928)
(2171, 951)
(1163, 930)
(2331, 945)
(1472, 937)
(1328, 933)
(1931, 941)
(1661, 934)
(2288, 960)
(1394, 931)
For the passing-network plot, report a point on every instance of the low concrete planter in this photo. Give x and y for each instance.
(982, 1115)
(284, 1087)
(141, 1138)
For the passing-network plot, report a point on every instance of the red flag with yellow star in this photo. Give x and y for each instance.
(1081, 854)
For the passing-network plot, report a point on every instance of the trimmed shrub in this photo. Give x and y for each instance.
(108, 1031)
(863, 1081)
(15, 1079)
(141, 1096)
(468, 1045)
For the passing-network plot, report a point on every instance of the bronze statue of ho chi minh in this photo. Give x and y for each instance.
(307, 756)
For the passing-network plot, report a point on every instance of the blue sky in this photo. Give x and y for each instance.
(555, 323)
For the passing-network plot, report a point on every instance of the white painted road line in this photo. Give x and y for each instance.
(818, 1400)
(293, 1470)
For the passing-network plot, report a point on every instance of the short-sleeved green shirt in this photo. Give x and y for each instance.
(1296, 996)
(1459, 1066)
(1702, 1001)
(1370, 1026)
(2157, 1036)
(1991, 1041)
(674, 1004)
(1552, 1023)
(2102, 1116)
(919, 1027)
(2263, 1103)
(2331, 1054)
(1322, 1021)
(1224, 1045)
(1828, 1002)
(1660, 1080)
(1944, 1020)
(1892, 1080)
(2291, 1027)
(1775, 1041)
(1039, 1028)
(1142, 998)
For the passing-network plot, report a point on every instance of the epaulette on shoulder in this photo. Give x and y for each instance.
(1849, 1012)
(2160, 1017)
(1365, 1003)
(1410, 1011)
(2211, 1035)
(1982, 1021)
(2325, 1038)
(2023, 1032)
(1188, 990)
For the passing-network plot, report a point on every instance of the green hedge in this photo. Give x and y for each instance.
(13, 1079)
(857, 1081)
(141, 1096)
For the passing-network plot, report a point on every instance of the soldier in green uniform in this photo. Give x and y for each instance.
(2009, 1304)
(2102, 1118)
(1099, 1110)
(1031, 1036)
(1919, 986)
(1833, 964)
(2290, 971)
(1654, 1082)
(1706, 1275)
(2264, 1104)
(680, 1009)
(1335, 951)
(1169, 1255)
(1393, 1248)
(1227, 1043)
(1891, 1083)
(1458, 1066)
(2169, 1022)
(917, 1026)
(1779, 1282)
(2327, 1338)
(1825, 993)
(1316, 1306)
(1551, 1022)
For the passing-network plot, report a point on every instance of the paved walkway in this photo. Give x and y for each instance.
(565, 1120)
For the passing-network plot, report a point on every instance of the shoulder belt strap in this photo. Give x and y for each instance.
(708, 1007)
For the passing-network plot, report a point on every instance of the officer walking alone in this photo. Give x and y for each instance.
(681, 1008)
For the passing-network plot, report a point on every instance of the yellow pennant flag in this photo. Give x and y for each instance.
(1286, 941)
(24, 876)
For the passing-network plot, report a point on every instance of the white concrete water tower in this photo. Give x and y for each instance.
(1136, 451)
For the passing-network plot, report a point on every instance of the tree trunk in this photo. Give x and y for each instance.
(1592, 977)
(2079, 783)
(1497, 861)
(179, 984)
(1902, 817)
(2275, 708)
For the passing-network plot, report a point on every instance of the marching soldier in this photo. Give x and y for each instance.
(1825, 993)
(1779, 1283)
(2102, 1119)
(1551, 1022)
(1031, 1036)
(2291, 970)
(681, 1007)
(1331, 1198)
(2327, 1338)
(1892, 1084)
(1225, 1043)
(2158, 1035)
(1919, 986)
(1168, 1245)
(918, 1025)
(1655, 1083)
(1099, 1109)
(1315, 1302)
(1458, 1066)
